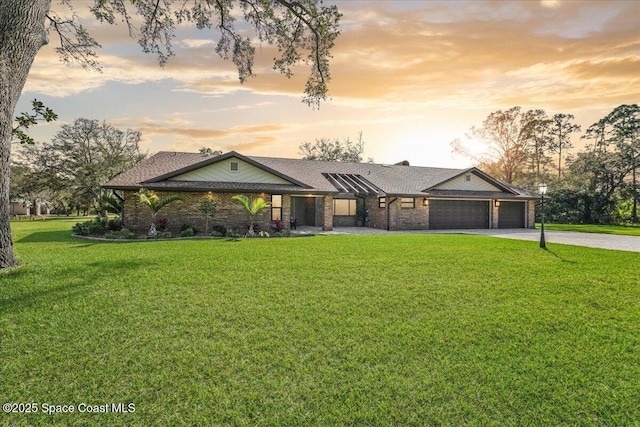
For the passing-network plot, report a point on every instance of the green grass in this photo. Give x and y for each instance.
(326, 330)
(625, 230)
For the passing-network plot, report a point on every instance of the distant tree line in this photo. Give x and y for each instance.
(597, 185)
(333, 150)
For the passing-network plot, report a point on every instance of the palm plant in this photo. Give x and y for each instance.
(111, 204)
(252, 208)
(155, 203)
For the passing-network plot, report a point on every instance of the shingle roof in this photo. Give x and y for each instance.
(305, 175)
(159, 164)
(391, 179)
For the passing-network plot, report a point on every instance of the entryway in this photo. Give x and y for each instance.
(305, 211)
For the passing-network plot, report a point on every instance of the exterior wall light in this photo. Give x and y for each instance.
(425, 202)
(496, 203)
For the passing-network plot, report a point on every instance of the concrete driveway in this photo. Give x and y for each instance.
(592, 240)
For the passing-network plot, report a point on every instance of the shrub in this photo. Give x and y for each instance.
(219, 228)
(185, 227)
(94, 227)
(164, 235)
(263, 234)
(279, 226)
(114, 224)
(187, 232)
(283, 233)
(232, 232)
(112, 234)
(81, 229)
(162, 224)
(216, 234)
(126, 234)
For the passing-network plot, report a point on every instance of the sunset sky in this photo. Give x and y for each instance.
(411, 75)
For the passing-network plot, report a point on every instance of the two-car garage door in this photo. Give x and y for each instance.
(451, 214)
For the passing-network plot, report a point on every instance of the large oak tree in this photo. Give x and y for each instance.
(81, 157)
(302, 31)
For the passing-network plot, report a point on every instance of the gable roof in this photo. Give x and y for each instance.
(217, 159)
(475, 171)
(306, 176)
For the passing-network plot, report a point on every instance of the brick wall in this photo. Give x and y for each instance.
(229, 213)
(409, 218)
(495, 214)
(400, 218)
(377, 215)
(531, 214)
(327, 213)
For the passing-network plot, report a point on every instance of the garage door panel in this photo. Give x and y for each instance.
(511, 215)
(458, 214)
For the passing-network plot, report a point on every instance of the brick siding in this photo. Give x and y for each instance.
(229, 212)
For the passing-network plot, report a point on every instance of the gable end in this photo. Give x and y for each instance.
(472, 180)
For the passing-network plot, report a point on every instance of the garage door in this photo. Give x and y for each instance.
(511, 215)
(448, 214)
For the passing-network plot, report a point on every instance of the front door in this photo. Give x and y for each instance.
(303, 210)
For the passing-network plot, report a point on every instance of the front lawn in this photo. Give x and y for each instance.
(327, 330)
(625, 230)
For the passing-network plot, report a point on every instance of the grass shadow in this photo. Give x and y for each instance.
(559, 257)
(46, 236)
(90, 279)
(13, 272)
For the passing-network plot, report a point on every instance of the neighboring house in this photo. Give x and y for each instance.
(323, 194)
(20, 206)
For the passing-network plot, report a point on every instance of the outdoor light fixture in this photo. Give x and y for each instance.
(542, 189)
(425, 202)
(496, 203)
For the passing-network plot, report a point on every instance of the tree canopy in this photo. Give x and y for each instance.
(598, 184)
(333, 150)
(82, 157)
(507, 136)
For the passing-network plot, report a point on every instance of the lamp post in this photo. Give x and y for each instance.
(542, 189)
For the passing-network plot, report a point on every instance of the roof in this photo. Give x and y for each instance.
(305, 176)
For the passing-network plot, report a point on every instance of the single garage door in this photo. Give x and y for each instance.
(450, 214)
(511, 215)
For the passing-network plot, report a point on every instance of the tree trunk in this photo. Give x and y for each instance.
(560, 145)
(22, 34)
(634, 209)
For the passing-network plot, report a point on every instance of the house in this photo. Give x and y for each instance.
(323, 194)
(20, 206)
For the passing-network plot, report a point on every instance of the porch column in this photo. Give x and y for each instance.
(531, 214)
(327, 223)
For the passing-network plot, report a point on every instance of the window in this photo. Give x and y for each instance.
(382, 202)
(407, 203)
(467, 177)
(234, 166)
(344, 207)
(276, 207)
